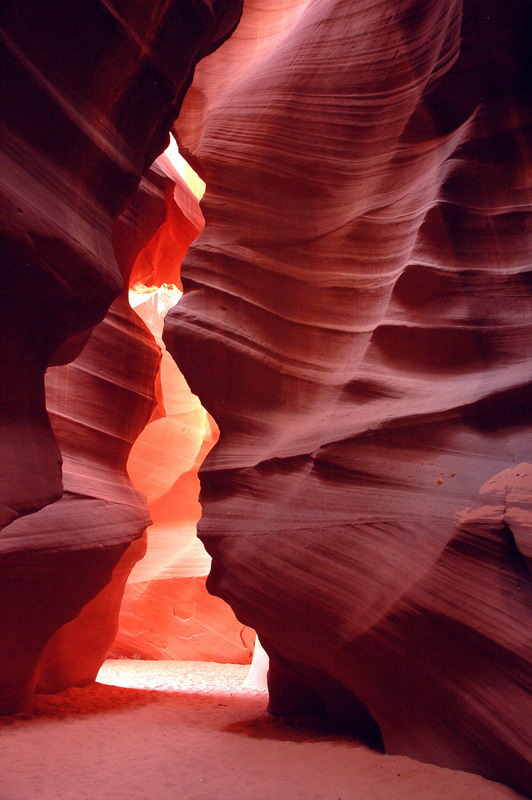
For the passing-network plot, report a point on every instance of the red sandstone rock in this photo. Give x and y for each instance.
(94, 91)
(75, 652)
(92, 95)
(176, 618)
(166, 610)
(97, 406)
(357, 320)
(160, 259)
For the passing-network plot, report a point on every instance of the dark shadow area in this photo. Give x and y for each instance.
(303, 728)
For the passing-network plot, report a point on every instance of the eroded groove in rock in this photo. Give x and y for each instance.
(357, 320)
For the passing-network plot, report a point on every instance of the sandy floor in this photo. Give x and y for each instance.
(151, 730)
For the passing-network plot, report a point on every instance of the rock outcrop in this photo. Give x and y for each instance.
(357, 320)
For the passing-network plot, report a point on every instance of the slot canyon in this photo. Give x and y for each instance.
(330, 347)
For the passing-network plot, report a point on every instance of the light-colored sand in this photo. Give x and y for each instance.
(157, 730)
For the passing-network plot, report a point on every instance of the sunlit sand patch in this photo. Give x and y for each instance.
(178, 676)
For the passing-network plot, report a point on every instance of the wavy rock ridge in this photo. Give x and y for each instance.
(92, 91)
(357, 320)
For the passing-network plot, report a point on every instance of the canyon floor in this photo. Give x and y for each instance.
(151, 730)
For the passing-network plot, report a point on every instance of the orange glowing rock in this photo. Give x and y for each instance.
(163, 464)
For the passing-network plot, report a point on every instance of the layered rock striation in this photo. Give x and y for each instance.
(92, 94)
(357, 319)
(92, 91)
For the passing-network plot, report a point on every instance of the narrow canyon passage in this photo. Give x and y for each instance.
(166, 611)
(347, 372)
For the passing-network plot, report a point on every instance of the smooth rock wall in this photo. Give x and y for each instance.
(97, 405)
(357, 320)
(91, 92)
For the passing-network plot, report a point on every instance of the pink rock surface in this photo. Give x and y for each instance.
(176, 618)
(92, 93)
(357, 320)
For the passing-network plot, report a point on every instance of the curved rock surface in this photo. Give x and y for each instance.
(166, 610)
(357, 320)
(92, 92)
(59, 560)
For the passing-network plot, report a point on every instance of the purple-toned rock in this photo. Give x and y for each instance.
(357, 319)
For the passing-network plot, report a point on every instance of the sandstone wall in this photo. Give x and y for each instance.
(357, 320)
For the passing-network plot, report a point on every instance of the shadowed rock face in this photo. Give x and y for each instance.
(357, 320)
(93, 89)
